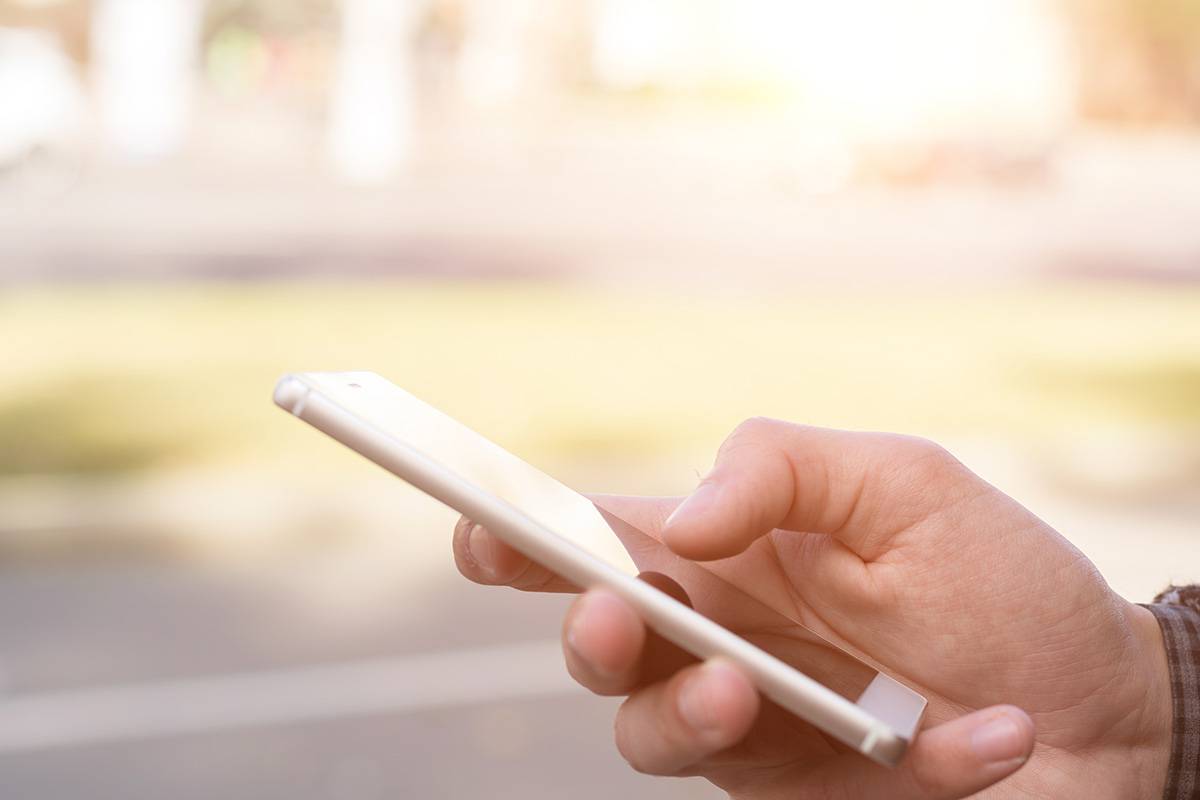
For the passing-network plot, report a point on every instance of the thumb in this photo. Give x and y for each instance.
(954, 760)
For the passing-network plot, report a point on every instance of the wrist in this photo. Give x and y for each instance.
(1150, 752)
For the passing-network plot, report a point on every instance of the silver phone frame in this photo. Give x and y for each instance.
(880, 725)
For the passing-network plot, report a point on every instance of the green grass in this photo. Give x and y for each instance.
(125, 378)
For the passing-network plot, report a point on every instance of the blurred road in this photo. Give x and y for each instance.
(536, 736)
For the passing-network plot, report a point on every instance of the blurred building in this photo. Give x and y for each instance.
(905, 84)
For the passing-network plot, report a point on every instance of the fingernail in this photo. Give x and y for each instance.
(998, 739)
(695, 700)
(479, 549)
(694, 505)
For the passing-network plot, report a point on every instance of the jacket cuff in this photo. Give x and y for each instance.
(1178, 613)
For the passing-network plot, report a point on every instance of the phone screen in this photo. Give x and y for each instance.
(477, 460)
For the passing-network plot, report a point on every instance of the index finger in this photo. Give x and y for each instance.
(861, 488)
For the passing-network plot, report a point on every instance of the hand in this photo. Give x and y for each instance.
(892, 549)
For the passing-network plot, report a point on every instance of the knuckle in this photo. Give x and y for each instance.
(921, 462)
(919, 450)
(755, 435)
(757, 429)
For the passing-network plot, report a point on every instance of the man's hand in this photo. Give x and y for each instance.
(892, 549)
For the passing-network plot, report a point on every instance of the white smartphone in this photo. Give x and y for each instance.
(564, 531)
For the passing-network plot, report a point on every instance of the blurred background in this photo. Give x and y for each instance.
(602, 232)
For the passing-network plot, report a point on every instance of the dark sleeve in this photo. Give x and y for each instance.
(1178, 613)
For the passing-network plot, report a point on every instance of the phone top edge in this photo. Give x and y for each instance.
(293, 388)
